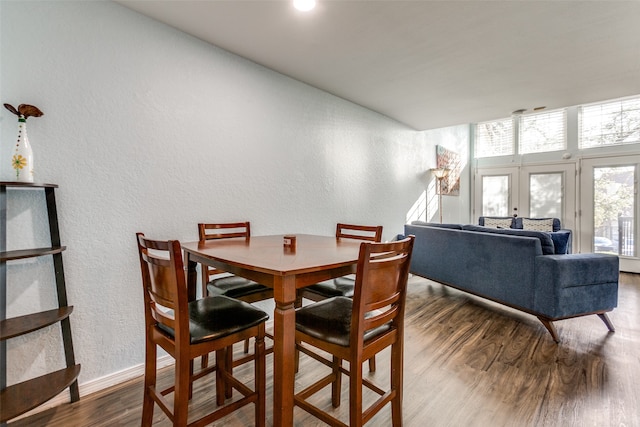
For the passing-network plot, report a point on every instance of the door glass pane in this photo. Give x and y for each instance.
(614, 201)
(545, 195)
(495, 195)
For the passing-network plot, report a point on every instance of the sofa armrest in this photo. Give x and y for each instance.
(574, 284)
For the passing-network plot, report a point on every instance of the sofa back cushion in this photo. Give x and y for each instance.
(548, 248)
(437, 224)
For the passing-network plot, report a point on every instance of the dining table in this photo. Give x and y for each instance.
(285, 264)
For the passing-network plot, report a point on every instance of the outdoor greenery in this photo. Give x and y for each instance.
(613, 195)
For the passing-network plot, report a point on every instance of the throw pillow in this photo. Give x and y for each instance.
(561, 240)
(537, 224)
(497, 223)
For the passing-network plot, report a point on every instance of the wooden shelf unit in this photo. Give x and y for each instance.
(19, 398)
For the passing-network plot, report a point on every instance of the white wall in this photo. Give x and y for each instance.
(148, 129)
(455, 209)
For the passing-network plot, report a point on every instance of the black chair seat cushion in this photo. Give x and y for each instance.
(234, 287)
(211, 318)
(340, 287)
(330, 321)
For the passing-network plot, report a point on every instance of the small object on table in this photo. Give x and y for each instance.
(290, 241)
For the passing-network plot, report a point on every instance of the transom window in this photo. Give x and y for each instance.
(610, 123)
(542, 132)
(494, 138)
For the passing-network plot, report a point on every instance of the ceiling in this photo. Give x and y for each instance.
(430, 64)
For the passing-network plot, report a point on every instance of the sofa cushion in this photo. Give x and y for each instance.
(545, 224)
(437, 224)
(548, 247)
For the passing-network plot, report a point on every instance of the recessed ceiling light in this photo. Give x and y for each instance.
(520, 111)
(304, 5)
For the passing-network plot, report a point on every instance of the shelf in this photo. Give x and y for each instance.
(22, 397)
(30, 253)
(21, 325)
(10, 184)
(17, 399)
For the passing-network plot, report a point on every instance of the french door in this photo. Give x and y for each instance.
(527, 191)
(609, 201)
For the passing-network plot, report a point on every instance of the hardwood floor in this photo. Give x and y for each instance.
(468, 362)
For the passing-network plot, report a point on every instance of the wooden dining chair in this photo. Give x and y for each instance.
(355, 329)
(218, 282)
(343, 286)
(189, 329)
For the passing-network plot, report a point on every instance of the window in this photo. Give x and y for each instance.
(611, 123)
(494, 138)
(495, 195)
(543, 132)
(545, 195)
(614, 200)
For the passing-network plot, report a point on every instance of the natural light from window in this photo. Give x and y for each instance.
(494, 138)
(542, 132)
(611, 123)
(495, 195)
(545, 195)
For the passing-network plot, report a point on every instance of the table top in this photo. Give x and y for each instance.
(268, 254)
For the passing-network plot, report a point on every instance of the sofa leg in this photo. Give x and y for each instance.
(552, 329)
(607, 321)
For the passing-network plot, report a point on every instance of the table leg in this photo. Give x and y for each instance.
(284, 351)
(192, 276)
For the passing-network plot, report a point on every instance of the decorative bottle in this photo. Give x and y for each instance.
(22, 160)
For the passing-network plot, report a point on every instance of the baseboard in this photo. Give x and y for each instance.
(98, 384)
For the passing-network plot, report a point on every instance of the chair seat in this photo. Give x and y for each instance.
(234, 287)
(330, 321)
(340, 287)
(215, 317)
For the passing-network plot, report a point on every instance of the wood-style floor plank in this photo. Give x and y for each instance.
(468, 362)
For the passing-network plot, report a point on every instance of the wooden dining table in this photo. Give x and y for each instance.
(268, 261)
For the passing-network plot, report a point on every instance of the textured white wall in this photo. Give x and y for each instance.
(148, 129)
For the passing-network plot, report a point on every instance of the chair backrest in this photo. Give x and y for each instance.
(215, 231)
(164, 284)
(211, 231)
(380, 288)
(371, 233)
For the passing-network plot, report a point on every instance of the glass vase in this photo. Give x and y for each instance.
(22, 160)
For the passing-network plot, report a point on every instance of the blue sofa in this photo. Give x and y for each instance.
(518, 268)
